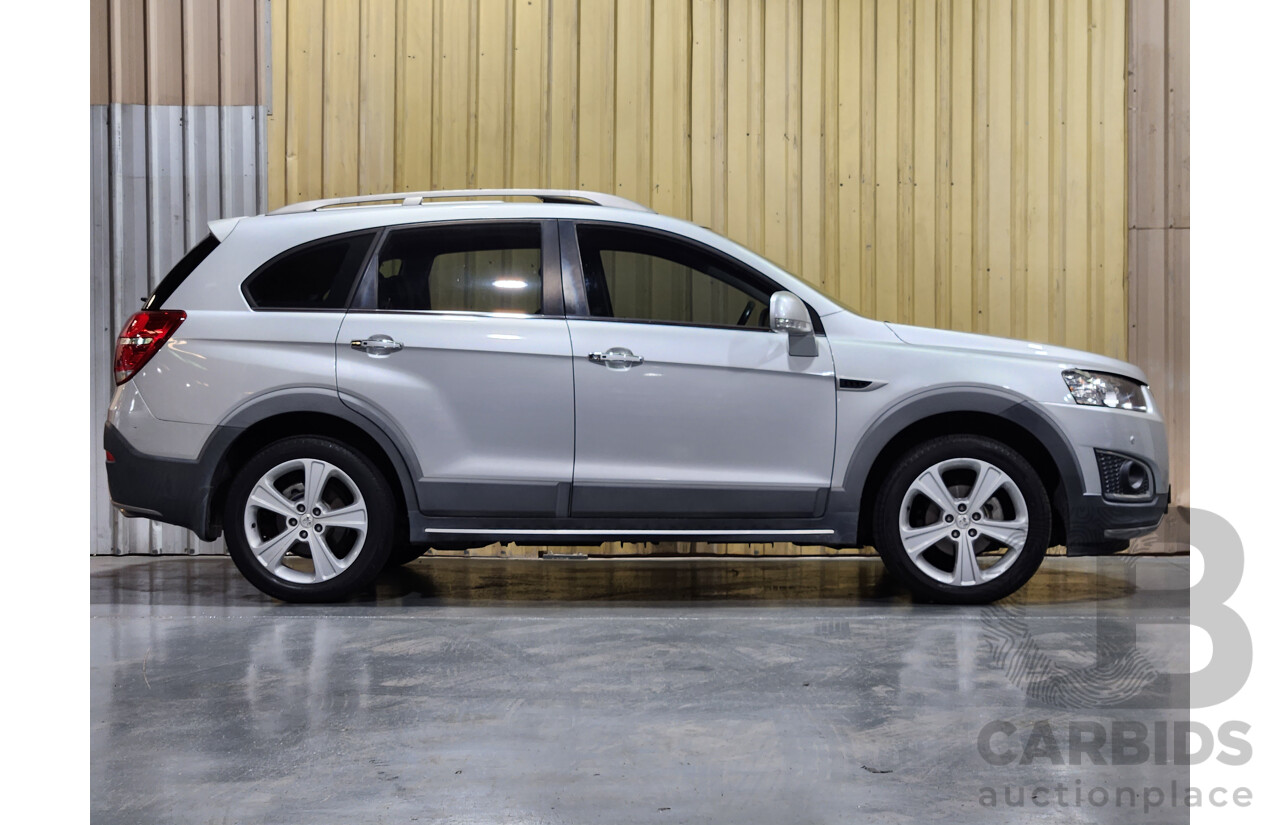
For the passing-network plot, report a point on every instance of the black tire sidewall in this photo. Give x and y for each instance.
(888, 541)
(378, 502)
(403, 552)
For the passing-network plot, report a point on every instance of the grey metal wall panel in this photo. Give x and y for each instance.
(159, 174)
(240, 160)
(203, 170)
(102, 333)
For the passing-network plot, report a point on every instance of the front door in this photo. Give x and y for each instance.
(687, 405)
(457, 338)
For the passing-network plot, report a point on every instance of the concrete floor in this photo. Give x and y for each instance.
(621, 691)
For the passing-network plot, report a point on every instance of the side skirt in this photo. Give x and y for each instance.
(586, 532)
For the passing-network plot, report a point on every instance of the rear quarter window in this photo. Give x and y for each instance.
(315, 275)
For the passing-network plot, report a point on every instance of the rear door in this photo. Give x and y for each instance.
(687, 404)
(457, 336)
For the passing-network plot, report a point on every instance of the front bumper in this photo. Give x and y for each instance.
(1096, 525)
(1099, 527)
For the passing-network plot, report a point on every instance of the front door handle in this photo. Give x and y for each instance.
(377, 345)
(618, 358)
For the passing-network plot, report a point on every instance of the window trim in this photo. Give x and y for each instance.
(575, 287)
(552, 287)
(376, 235)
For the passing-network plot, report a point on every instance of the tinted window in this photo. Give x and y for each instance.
(644, 276)
(313, 276)
(180, 271)
(482, 268)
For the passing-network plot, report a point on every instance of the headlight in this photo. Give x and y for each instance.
(1098, 389)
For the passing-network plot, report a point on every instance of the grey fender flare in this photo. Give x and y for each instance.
(845, 502)
(323, 401)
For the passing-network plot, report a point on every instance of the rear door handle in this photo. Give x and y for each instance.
(616, 358)
(377, 345)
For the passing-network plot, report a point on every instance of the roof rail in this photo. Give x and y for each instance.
(416, 198)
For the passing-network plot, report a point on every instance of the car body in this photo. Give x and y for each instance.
(570, 370)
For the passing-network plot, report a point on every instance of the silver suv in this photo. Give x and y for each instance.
(341, 384)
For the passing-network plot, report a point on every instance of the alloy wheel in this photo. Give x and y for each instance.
(306, 521)
(957, 516)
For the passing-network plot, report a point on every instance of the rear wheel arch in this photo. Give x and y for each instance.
(320, 415)
(1005, 418)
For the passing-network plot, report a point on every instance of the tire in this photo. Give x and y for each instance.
(927, 501)
(403, 552)
(323, 558)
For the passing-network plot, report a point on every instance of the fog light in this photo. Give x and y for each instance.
(1124, 478)
(1133, 476)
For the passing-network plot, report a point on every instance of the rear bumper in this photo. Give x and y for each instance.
(1100, 527)
(171, 490)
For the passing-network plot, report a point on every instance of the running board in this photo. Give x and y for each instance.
(473, 531)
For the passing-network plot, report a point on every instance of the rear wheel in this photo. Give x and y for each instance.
(309, 519)
(962, 519)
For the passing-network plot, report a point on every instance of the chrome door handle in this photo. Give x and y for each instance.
(616, 357)
(377, 345)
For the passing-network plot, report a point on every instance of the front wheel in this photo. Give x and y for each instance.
(309, 519)
(962, 519)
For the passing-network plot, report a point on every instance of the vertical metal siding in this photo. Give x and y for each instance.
(959, 164)
(1159, 230)
(955, 163)
(177, 140)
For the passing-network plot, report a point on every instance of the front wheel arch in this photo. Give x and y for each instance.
(969, 422)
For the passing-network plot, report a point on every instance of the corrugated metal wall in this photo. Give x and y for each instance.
(177, 139)
(1160, 230)
(959, 164)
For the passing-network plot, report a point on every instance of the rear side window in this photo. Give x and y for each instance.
(316, 275)
(482, 268)
(180, 271)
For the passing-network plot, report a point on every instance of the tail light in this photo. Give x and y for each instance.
(143, 336)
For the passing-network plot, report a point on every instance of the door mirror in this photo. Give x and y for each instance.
(788, 314)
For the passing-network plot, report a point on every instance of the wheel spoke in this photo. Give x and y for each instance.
(990, 478)
(326, 564)
(966, 570)
(915, 540)
(272, 551)
(266, 496)
(317, 473)
(353, 517)
(930, 484)
(1011, 534)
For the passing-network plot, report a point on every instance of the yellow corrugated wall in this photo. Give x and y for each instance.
(955, 164)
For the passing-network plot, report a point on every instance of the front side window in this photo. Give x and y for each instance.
(313, 276)
(451, 268)
(644, 276)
